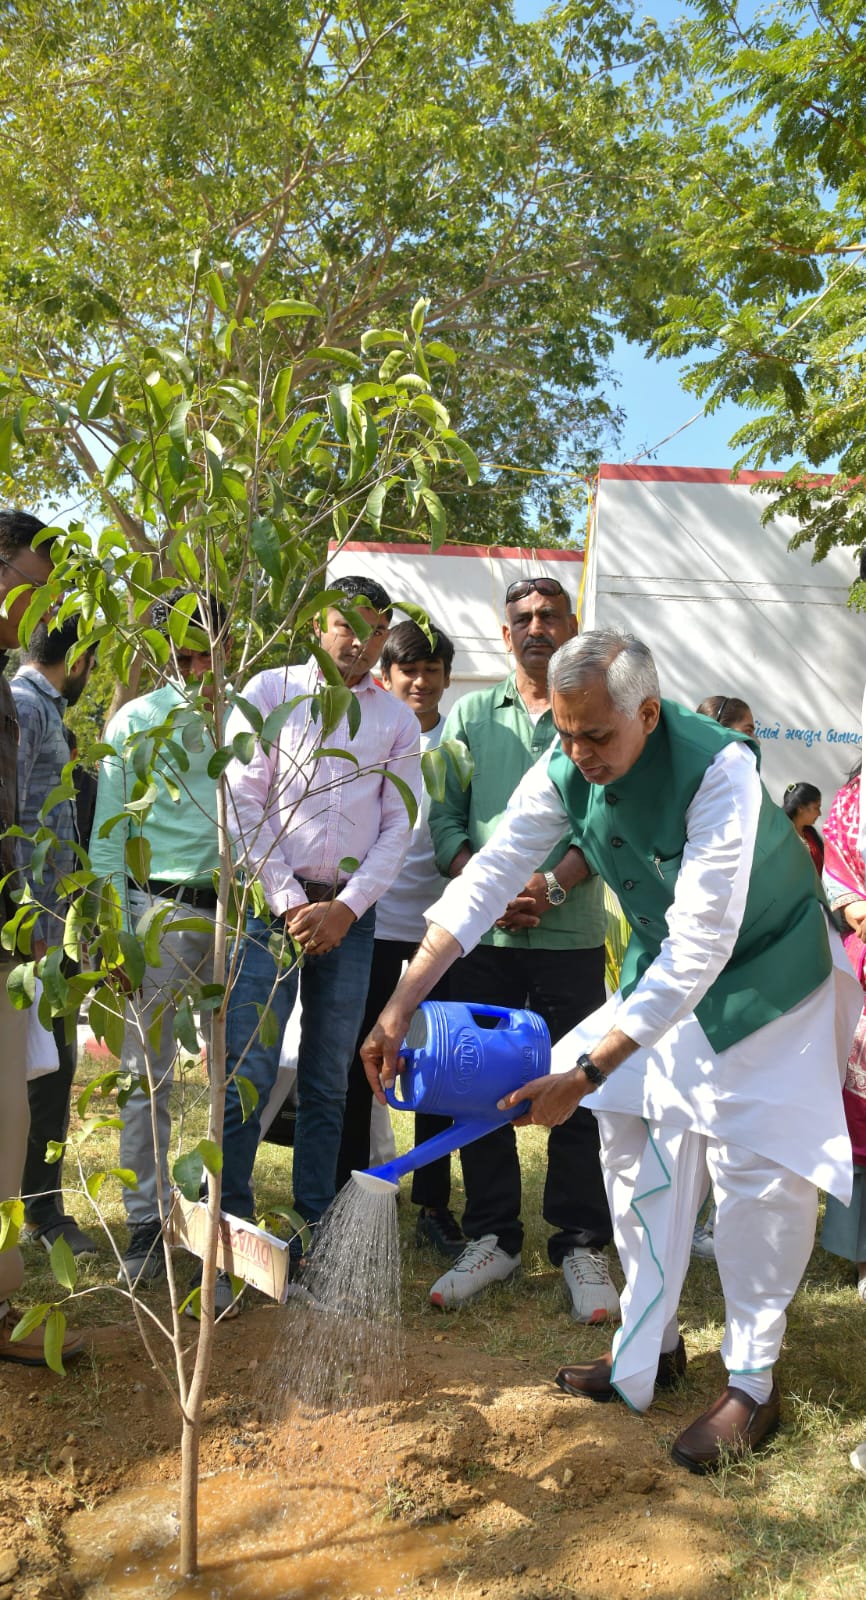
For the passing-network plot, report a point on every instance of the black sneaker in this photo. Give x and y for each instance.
(79, 1242)
(144, 1258)
(441, 1230)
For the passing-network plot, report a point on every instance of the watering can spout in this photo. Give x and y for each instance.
(442, 1144)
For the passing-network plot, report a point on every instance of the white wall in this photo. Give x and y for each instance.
(462, 588)
(679, 557)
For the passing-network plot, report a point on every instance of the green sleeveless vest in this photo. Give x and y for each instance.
(633, 833)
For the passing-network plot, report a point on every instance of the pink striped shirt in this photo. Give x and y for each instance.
(294, 816)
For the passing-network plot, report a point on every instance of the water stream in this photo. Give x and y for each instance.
(339, 1340)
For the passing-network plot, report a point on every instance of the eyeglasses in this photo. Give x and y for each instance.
(725, 700)
(524, 586)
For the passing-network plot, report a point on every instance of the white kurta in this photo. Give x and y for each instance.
(778, 1092)
(765, 1116)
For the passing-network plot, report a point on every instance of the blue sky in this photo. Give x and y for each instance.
(650, 392)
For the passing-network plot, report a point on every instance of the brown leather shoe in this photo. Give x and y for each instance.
(592, 1380)
(735, 1424)
(30, 1351)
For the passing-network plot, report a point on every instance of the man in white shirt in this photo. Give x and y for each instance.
(322, 835)
(724, 1049)
(418, 673)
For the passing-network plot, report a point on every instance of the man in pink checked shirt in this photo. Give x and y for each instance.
(299, 824)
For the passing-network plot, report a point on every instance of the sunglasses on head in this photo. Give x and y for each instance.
(524, 586)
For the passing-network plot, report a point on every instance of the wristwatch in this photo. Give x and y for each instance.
(555, 892)
(590, 1070)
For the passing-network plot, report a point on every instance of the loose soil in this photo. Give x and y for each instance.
(480, 1479)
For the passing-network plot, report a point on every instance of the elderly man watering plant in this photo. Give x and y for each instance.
(721, 1052)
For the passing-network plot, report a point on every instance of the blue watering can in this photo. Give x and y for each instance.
(460, 1060)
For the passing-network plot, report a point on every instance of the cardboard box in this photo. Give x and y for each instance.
(243, 1250)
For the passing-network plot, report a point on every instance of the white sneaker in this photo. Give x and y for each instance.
(479, 1265)
(703, 1243)
(589, 1286)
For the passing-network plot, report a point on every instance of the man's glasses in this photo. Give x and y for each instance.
(32, 583)
(525, 586)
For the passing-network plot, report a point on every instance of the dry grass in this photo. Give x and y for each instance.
(795, 1516)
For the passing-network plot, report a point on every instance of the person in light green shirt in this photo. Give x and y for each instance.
(547, 953)
(180, 859)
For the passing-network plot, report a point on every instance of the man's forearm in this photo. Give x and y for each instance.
(437, 952)
(571, 869)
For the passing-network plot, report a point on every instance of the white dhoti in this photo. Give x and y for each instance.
(764, 1123)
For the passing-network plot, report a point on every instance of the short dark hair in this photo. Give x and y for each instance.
(408, 642)
(48, 646)
(18, 529)
(162, 608)
(797, 795)
(355, 588)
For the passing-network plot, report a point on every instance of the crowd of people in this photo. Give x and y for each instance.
(582, 775)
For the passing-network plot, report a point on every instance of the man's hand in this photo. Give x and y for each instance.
(553, 1099)
(380, 1051)
(320, 927)
(527, 910)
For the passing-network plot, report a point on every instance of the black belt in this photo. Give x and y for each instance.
(316, 891)
(204, 898)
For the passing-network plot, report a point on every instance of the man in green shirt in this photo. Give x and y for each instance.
(184, 854)
(546, 953)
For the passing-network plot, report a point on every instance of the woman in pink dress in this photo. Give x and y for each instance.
(844, 877)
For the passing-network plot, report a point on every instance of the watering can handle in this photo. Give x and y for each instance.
(399, 1103)
(489, 1011)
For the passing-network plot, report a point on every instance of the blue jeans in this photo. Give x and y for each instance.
(333, 992)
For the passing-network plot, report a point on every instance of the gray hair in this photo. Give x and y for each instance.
(623, 662)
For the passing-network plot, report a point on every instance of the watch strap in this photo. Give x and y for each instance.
(590, 1070)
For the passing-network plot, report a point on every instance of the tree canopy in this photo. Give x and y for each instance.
(354, 156)
(770, 168)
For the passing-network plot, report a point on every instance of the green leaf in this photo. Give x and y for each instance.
(219, 761)
(30, 1320)
(55, 1333)
(188, 1171)
(214, 286)
(11, 1222)
(266, 546)
(54, 1151)
(134, 964)
(248, 1095)
(211, 1155)
(375, 504)
(433, 770)
(436, 513)
(93, 1184)
(328, 666)
(336, 353)
(84, 401)
(442, 352)
(21, 985)
(339, 407)
(63, 1263)
(177, 424)
(403, 790)
(461, 760)
(120, 461)
(137, 853)
(419, 311)
(348, 864)
(244, 747)
(124, 1175)
(290, 308)
(184, 1027)
(280, 392)
(467, 458)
